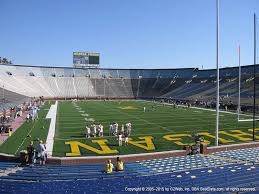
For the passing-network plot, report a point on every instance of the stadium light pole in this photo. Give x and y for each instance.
(239, 84)
(104, 87)
(217, 64)
(95, 86)
(254, 76)
(88, 86)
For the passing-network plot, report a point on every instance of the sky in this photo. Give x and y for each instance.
(128, 33)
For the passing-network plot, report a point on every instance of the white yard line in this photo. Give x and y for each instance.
(247, 120)
(25, 138)
(52, 114)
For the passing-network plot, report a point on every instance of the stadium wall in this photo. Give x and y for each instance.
(131, 157)
(230, 147)
(91, 98)
(148, 156)
(126, 158)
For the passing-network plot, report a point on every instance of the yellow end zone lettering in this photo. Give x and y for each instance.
(213, 137)
(75, 151)
(177, 138)
(146, 140)
(238, 134)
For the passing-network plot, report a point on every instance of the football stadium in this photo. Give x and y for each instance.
(89, 128)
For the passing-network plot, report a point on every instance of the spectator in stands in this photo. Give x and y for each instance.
(42, 152)
(120, 165)
(109, 167)
(31, 154)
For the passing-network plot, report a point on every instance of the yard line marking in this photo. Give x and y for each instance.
(25, 138)
(219, 115)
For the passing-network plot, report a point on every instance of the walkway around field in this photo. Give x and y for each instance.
(14, 125)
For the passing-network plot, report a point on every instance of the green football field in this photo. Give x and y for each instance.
(29, 131)
(157, 121)
(159, 128)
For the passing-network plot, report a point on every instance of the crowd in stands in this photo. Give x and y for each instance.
(69, 83)
(225, 103)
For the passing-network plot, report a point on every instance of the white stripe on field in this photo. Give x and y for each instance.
(52, 114)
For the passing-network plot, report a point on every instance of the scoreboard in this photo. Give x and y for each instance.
(85, 59)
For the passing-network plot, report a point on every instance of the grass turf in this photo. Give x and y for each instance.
(162, 120)
(36, 129)
(157, 122)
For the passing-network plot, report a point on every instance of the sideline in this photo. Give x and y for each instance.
(198, 108)
(25, 138)
(145, 156)
(52, 114)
